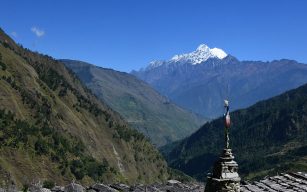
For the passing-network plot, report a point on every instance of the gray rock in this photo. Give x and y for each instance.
(11, 188)
(57, 189)
(74, 187)
(121, 187)
(172, 181)
(38, 188)
(102, 188)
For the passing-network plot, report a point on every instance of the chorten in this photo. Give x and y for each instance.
(225, 177)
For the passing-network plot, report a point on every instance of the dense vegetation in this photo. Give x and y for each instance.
(67, 151)
(54, 129)
(2, 65)
(267, 138)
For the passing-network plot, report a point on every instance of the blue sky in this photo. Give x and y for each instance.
(128, 34)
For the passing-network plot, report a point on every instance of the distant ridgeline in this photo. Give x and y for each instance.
(52, 128)
(267, 138)
(201, 79)
(140, 105)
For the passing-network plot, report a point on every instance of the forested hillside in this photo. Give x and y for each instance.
(53, 128)
(267, 138)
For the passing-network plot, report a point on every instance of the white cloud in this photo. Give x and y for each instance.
(38, 32)
(14, 34)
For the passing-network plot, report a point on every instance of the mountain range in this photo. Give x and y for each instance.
(267, 138)
(53, 128)
(199, 80)
(64, 120)
(140, 105)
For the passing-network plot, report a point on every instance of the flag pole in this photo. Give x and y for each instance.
(227, 123)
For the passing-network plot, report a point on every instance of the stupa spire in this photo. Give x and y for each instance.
(225, 175)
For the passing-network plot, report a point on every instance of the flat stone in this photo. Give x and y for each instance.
(292, 182)
(173, 181)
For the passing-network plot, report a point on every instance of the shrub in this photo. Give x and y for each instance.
(52, 144)
(77, 168)
(3, 66)
(25, 187)
(41, 146)
(48, 184)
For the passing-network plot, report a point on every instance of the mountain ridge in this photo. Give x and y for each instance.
(266, 138)
(54, 128)
(200, 55)
(144, 108)
(199, 87)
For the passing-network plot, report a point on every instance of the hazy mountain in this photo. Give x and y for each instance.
(267, 138)
(53, 128)
(140, 105)
(200, 80)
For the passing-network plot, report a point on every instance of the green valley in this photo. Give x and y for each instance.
(140, 105)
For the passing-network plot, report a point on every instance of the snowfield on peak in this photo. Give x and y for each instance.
(201, 54)
(219, 53)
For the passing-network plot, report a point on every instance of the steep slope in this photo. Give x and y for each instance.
(267, 138)
(139, 104)
(53, 128)
(200, 80)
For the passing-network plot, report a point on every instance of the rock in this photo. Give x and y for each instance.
(57, 189)
(102, 188)
(10, 188)
(38, 188)
(74, 187)
(121, 187)
(46, 190)
(173, 181)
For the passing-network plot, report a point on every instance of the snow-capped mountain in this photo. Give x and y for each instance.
(200, 55)
(202, 79)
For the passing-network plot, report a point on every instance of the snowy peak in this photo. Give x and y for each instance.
(203, 47)
(219, 53)
(201, 54)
